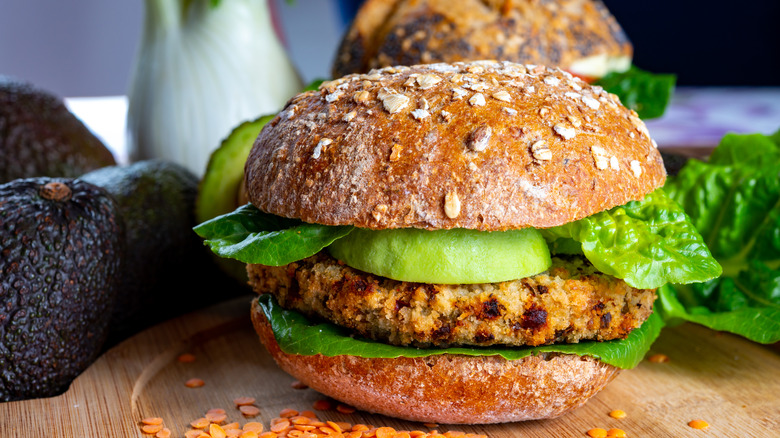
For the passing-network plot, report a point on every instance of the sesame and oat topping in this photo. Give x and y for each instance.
(541, 151)
(477, 86)
(552, 80)
(478, 99)
(574, 120)
(394, 102)
(395, 154)
(591, 102)
(458, 93)
(426, 81)
(636, 168)
(502, 95)
(613, 163)
(446, 115)
(424, 104)
(510, 111)
(361, 96)
(572, 95)
(480, 138)
(564, 131)
(655, 145)
(332, 97)
(322, 144)
(452, 205)
(530, 89)
(420, 114)
(349, 116)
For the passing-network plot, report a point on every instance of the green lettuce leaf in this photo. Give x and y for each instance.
(298, 335)
(646, 93)
(251, 236)
(647, 243)
(734, 201)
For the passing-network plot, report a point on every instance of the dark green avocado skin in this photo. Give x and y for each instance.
(39, 136)
(169, 270)
(59, 270)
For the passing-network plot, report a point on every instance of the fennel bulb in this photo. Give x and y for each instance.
(202, 68)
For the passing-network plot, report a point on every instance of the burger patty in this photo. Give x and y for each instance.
(570, 302)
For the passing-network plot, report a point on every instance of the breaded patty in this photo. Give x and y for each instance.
(570, 302)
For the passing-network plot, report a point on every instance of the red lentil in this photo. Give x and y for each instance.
(597, 432)
(186, 358)
(658, 358)
(698, 424)
(194, 383)
(617, 413)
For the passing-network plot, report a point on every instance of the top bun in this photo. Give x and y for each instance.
(482, 145)
(580, 36)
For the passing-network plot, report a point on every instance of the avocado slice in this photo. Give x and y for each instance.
(40, 137)
(62, 256)
(220, 190)
(456, 256)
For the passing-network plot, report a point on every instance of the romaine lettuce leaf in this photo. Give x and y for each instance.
(297, 335)
(646, 93)
(251, 236)
(734, 201)
(647, 243)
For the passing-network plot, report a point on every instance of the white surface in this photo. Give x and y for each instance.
(105, 117)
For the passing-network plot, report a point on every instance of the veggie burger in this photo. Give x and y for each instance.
(458, 243)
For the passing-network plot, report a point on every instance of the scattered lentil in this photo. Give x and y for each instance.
(597, 432)
(152, 420)
(345, 409)
(242, 401)
(322, 405)
(618, 433)
(186, 358)
(163, 433)
(200, 423)
(249, 411)
(658, 358)
(194, 383)
(151, 429)
(617, 413)
(216, 417)
(299, 385)
(698, 424)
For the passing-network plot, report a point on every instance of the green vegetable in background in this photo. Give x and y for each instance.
(646, 93)
(734, 201)
(297, 335)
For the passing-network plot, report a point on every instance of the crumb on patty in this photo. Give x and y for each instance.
(570, 302)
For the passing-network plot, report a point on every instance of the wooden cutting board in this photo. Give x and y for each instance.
(725, 380)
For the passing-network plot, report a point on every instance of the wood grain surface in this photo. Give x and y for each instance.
(725, 380)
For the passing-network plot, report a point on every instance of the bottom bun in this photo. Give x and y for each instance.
(448, 389)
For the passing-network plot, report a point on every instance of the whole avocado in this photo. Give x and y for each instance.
(39, 136)
(62, 253)
(167, 264)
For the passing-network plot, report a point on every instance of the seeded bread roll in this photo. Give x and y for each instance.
(448, 389)
(578, 35)
(482, 145)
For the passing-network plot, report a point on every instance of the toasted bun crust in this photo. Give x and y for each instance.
(483, 145)
(405, 32)
(448, 389)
